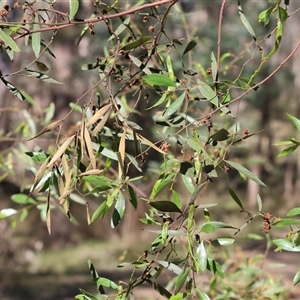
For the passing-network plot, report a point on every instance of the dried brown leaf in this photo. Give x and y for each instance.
(48, 214)
(98, 115)
(122, 153)
(48, 128)
(91, 172)
(61, 150)
(89, 147)
(101, 124)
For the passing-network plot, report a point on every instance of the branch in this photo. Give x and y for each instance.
(97, 19)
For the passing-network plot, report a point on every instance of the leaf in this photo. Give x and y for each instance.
(175, 105)
(189, 183)
(277, 39)
(165, 206)
(245, 21)
(158, 80)
(214, 68)
(137, 43)
(22, 198)
(8, 41)
(99, 113)
(61, 150)
(286, 222)
(7, 212)
(295, 121)
(191, 45)
(132, 197)
(296, 278)
(181, 279)
(286, 245)
(202, 295)
(46, 129)
(119, 211)
(74, 5)
(207, 92)
(201, 256)
(89, 148)
(121, 154)
(41, 66)
(215, 268)
(259, 203)
(41, 76)
(120, 29)
(220, 135)
(48, 213)
(106, 282)
(196, 193)
(294, 212)
(244, 171)
(13, 89)
(160, 184)
(235, 198)
(36, 37)
(288, 151)
(101, 211)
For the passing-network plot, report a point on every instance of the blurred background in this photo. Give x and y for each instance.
(34, 265)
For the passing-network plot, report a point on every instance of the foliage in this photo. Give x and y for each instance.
(145, 73)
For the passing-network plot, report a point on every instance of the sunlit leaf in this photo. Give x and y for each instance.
(295, 121)
(286, 245)
(158, 80)
(18, 94)
(259, 203)
(245, 21)
(215, 267)
(294, 212)
(7, 212)
(201, 256)
(74, 5)
(296, 278)
(288, 151)
(41, 76)
(106, 282)
(181, 279)
(8, 41)
(286, 222)
(207, 92)
(120, 29)
(175, 105)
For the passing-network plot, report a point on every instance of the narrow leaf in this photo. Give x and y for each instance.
(41, 76)
(245, 21)
(165, 206)
(89, 148)
(122, 154)
(99, 113)
(61, 150)
(244, 171)
(47, 128)
(294, 212)
(74, 5)
(296, 278)
(201, 256)
(175, 105)
(207, 92)
(8, 41)
(191, 45)
(158, 80)
(36, 37)
(181, 280)
(235, 198)
(295, 121)
(18, 94)
(137, 43)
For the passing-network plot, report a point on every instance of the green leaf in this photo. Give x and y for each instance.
(214, 67)
(201, 256)
(288, 151)
(191, 45)
(181, 279)
(160, 184)
(13, 90)
(277, 40)
(137, 43)
(244, 171)
(106, 282)
(120, 29)
(101, 211)
(295, 121)
(74, 5)
(216, 224)
(207, 92)
(294, 212)
(235, 198)
(259, 203)
(158, 80)
(223, 241)
(8, 41)
(215, 267)
(22, 198)
(220, 135)
(296, 278)
(189, 183)
(175, 105)
(176, 199)
(202, 295)
(7, 212)
(36, 37)
(165, 206)
(245, 21)
(207, 228)
(286, 245)
(283, 15)
(119, 211)
(286, 222)
(42, 76)
(132, 196)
